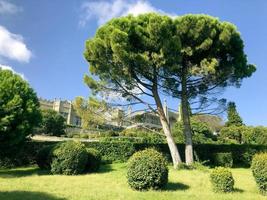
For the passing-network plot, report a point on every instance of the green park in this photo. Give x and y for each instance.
(154, 123)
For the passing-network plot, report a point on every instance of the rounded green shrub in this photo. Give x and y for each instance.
(69, 158)
(259, 170)
(44, 158)
(147, 169)
(223, 159)
(93, 161)
(222, 180)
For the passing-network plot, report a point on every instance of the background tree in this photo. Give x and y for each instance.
(200, 130)
(91, 111)
(52, 123)
(19, 110)
(133, 56)
(233, 116)
(212, 58)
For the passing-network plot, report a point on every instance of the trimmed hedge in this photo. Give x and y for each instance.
(113, 151)
(121, 151)
(222, 180)
(259, 170)
(147, 169)
(223, 159)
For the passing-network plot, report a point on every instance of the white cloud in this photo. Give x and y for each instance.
(5, 67)
(13, 47)
(8, 8)
(103, 11)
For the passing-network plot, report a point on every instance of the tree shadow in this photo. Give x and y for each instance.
(105, 168)
(17, 173)
(175, 186)
(26, 195)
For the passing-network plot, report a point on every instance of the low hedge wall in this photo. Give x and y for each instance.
(121, 151)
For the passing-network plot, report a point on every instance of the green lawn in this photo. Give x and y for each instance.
(110, 183)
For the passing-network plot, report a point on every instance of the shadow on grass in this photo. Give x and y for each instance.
(175, 186)
(238, 190)
(25, 195)
(105, 168)
(16, 173)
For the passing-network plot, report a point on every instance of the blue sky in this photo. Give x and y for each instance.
(44, 41)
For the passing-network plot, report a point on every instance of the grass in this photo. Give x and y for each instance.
(110, 183)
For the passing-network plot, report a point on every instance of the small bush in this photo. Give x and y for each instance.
(69, 158)
(93, 161)
(259, 170)
(147, 169)
(223, 159)
(43, 157)
(222, 180)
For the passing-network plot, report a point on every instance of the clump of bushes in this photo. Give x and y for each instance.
(69, 158)
(259, 170)
(93, 160)
(222, 180)
(223, 159)
(147, 169)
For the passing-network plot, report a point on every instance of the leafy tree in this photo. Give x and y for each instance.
(211, 58)
(201, 132)
(233, 116)
(19, 109)
(133, 57)
(232, 134)
(52, 123)
(91, 111)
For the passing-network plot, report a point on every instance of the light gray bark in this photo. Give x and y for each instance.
(176, 159)
(189, 159)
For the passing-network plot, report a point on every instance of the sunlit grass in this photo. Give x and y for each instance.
(110, 183)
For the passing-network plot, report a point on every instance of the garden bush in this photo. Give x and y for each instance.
(69, 158)
(147, 169)
(223, 159)
(222, 180)
(44, 157)
(259, 170)
(93, 161)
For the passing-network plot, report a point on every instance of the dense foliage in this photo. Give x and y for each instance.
(243, 135)
(69, 158)
(147, 169)
(19, 110)
(200, 130)
(113, 151)
(222, 180)
(144, 136)
(52, 123)
(223, 159)
(259, 170)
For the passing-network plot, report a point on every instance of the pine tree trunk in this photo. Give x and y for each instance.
(189, 159)
(176, 159)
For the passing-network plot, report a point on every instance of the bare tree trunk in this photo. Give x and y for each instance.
(189, 159)
(176, 159)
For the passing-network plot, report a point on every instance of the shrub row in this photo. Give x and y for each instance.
(120, 152)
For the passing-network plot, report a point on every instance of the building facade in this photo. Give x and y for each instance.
(63, 107)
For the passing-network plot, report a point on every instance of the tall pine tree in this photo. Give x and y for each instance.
(233, 117)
